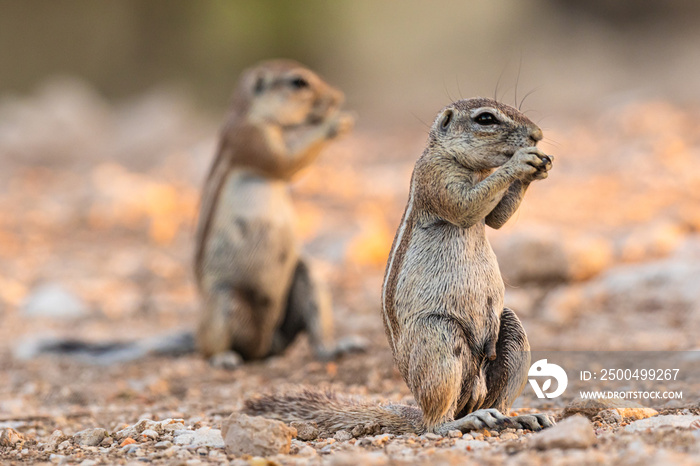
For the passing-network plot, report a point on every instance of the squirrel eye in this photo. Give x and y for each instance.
(299, 83)
(486, 119)
(446, 119)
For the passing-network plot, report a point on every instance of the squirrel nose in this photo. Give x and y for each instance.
(536, 134)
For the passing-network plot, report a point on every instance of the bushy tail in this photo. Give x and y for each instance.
(109, 352)
(333, 412)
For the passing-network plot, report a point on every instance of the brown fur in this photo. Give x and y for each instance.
(258, 292)
(464, 357)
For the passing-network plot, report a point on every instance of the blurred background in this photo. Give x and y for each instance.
(109, 113)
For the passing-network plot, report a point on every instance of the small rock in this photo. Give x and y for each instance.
(130, 449)
(163, 445)
(625, 408)
(508, 436)
(202, 437)
(306, 430)
(150, 434)
(609, 416)
(461, 444)
(258, 461)
(127, 441)
(58, 459)
(90, 437)
(455, 434)
(144, 424)
(672, 420)
(431, 436)
(380, 440)
(57, 437)
(227, 360)
(88, 463)
(342, 435)
(10, 437)
(53, 301)
(107, 441)
(371, 428)
(64, 445)
(573, 432)
(301, 449)
(171, 425)
(256, 436)
(170, 452)
(363, 442)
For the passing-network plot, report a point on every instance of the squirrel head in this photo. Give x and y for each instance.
(482, 133)
(285, 93)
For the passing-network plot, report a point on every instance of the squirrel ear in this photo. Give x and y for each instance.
(258, 81)
(259, 86)
(446, 119)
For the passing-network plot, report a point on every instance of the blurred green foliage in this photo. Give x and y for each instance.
(128, 45)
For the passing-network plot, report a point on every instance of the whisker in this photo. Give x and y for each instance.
(444, 87)
(421, 120)
(517, 81)
(520, 106)
(498, 82)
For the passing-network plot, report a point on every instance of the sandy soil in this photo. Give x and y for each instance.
(100, 205)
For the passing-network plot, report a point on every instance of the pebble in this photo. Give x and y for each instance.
(135, 430)
(57, 437)
(342, 435)
(305, 430)
(573, 432)
(256, 436)
(171, 425)
(455, 434)
(170, 452)
(673, 420)
(127, 441)
(364, 442)
(90, 437)
(461, 444)
(508, 436)
(9, 437)
(623, 408)
(379, 440)
(52, 300)
(609, 416)
(202, 437)
(150, 433)
(58, 459)
(64, 445)
(301, 449)
(163, 445)
(431, 436)
(130, 448)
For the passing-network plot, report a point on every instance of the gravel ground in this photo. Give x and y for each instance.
(95, 244)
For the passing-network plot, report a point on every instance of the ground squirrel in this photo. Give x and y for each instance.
(463, 355)
(258, 292)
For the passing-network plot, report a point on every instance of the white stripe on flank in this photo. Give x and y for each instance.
(399, 236)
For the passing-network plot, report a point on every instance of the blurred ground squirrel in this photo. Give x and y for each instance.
(463, 355)
(259, 294)
(258, 291)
